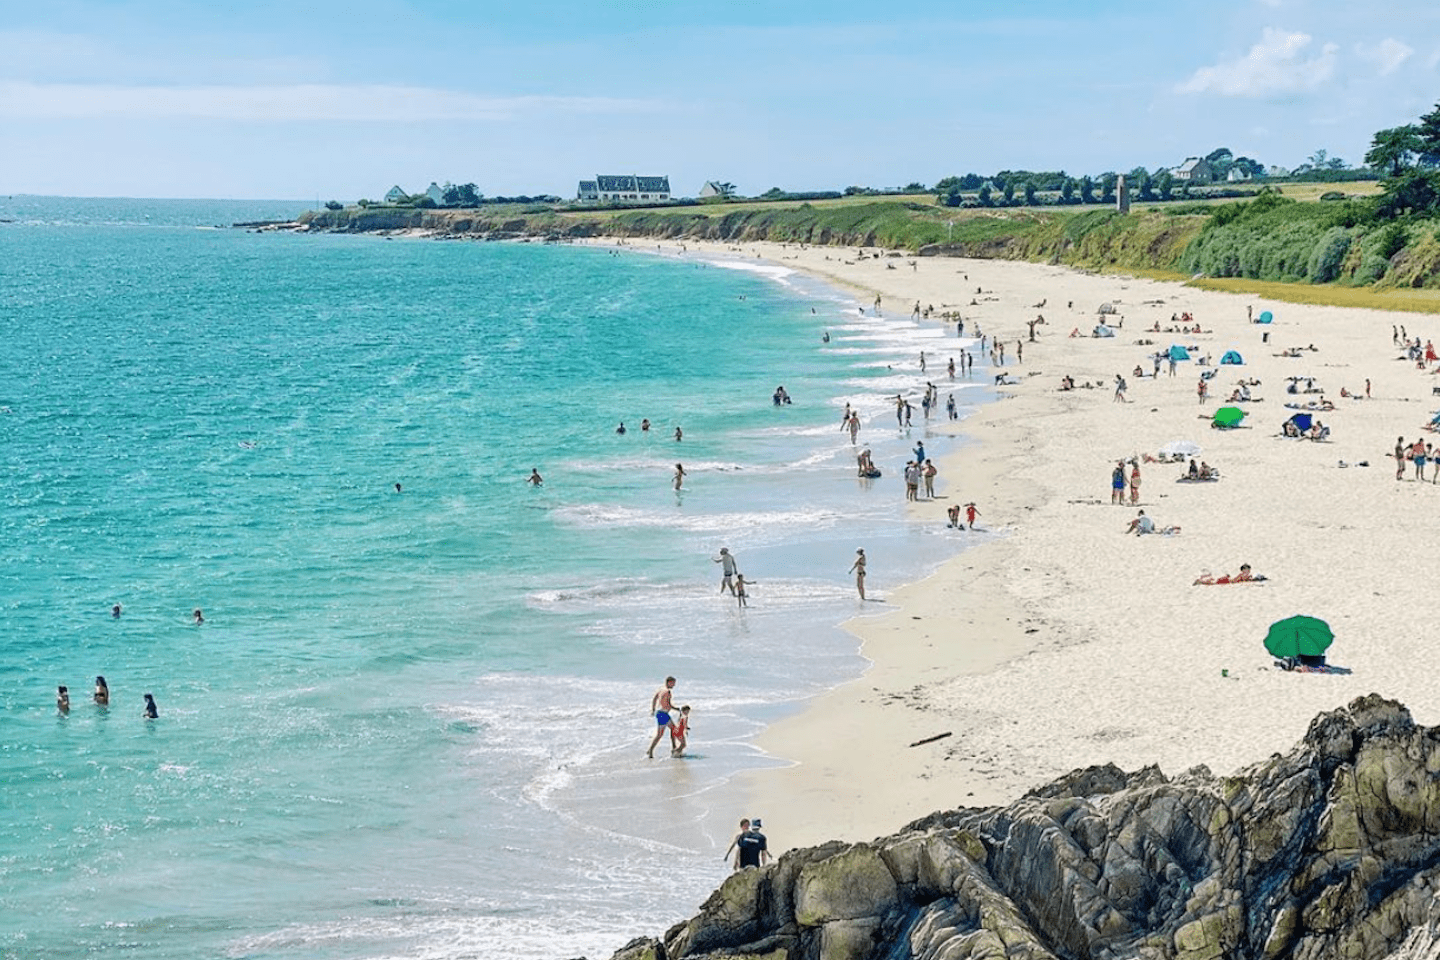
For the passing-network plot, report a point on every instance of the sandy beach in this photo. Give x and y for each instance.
(1060, 641)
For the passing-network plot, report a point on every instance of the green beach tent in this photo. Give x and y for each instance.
(1227, 417)
(1299, 637)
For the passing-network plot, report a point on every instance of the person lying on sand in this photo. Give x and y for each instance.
(1244, 576)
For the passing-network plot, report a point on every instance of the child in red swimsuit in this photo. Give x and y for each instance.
(678, 731)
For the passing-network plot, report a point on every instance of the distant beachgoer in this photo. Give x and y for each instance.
(660, 706)
(950, 368)
(621, 429)
(912, 481)
(753, 848)
(929, 474)
(1134, 483)
(645, 425)
(150, 711)
(115, 611)
(199, 616)
(1367, 388)
(919, 452)
(744, 828)
(922, 361)
(1244, 576)
(1119, 389)
(102, 692)
(727, 570)
(970, 514)
(950, 407)
(62, 698)
(680, 732)
(825, 338)
(858, 568)
(1399, 458)
(740, 584)
(1141, 525)
(679, 435)
(535, 479)
(1117, 483)
(397, 488)
(679, 475)
(953, 513)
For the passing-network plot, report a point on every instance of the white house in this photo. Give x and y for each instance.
(626, 188)
(434, 192)
(395, 195)
(1236, 175)
(713, 188)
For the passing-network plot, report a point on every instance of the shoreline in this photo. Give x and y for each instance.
(1060, 642)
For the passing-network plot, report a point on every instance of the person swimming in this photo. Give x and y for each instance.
(199, 616)
(102, 692)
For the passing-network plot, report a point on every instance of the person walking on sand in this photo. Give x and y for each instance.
(727, 570)
(1399, 458)
(1119, 389)
(754, 850)
(680, 732)
(744, 827)
(660, 706)
(858, 568)
(679, 476)
(970, 514)
(1201, 390)
(1117, 483)
(1134, 482)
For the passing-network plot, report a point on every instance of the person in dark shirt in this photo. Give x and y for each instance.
(753, 851)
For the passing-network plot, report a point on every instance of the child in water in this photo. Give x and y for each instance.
(678, 732)
(740, 583)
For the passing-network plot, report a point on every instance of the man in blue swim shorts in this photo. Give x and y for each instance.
(660, 705)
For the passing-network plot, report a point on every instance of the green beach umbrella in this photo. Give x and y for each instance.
(1299, 637)
(1229, 416)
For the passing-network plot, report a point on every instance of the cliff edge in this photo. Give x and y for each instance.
(1330, 851)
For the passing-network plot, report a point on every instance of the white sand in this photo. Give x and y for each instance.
(1064, 642)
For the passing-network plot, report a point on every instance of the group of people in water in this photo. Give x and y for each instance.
(102, 699)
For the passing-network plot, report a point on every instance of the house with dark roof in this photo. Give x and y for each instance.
(624, 188)
(1194, 170)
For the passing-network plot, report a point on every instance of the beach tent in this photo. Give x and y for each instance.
(1102, 331)
(1232, 357)
(1185, 448)
(1227, 417)
(1299, 637)
(1107, 307)
(1302, 421)
(1178, 352)
(1266, 316)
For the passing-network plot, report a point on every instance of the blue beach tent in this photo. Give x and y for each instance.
(1232, 357)
(1178, 352)
(1302, 421)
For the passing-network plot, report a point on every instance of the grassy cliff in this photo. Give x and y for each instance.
(1269, 244)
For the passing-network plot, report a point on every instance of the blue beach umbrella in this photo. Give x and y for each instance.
(1302, 421)
(1266, 316)
(1178, 352)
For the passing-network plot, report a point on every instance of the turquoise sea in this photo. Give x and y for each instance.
(413, 722)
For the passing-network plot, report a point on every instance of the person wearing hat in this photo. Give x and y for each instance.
(727, 570)
(858, 568)
(753, 851)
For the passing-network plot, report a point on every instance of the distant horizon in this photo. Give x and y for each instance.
(175, 99)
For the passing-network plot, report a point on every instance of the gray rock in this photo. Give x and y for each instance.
(1329, 851)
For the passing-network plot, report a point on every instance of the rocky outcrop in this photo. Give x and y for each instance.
(1330, 851)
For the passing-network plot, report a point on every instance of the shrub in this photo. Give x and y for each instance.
(1332, 195)
(1328, 254)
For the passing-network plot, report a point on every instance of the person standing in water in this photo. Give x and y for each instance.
(660, 706)
(858, 568)
(62, 698)
(740, 594)
(199, 616)
(102, 692)
(150, 710)
(679, 435)
(535, 479)
(679, 476)
(727, 570)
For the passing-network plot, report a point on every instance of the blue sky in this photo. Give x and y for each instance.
(175, 98)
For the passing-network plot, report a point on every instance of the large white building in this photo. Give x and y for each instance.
(626, 188)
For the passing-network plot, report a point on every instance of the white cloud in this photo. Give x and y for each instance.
(1387, 55)
(1274, 66)
(284, 103)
